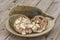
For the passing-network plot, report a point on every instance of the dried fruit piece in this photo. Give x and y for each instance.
(40, 23)
(21, 24)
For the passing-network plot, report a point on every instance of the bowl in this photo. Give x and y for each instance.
(30, 12)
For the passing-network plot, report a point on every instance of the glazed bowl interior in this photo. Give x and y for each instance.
(29, 12)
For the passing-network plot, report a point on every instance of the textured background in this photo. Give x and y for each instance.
(52, 7)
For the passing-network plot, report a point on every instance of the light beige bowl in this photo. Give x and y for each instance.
(30, 12)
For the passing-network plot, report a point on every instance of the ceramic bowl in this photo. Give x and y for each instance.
(29, 12)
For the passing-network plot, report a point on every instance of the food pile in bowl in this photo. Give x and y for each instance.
(24, 25)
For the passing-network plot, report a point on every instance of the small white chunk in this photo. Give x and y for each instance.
(37, 25)
(30, 25)
(37, 21)
(17, 21)
(29, 31)
(22, 26)
(33, 23)
(23, 32)
(34, 28)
